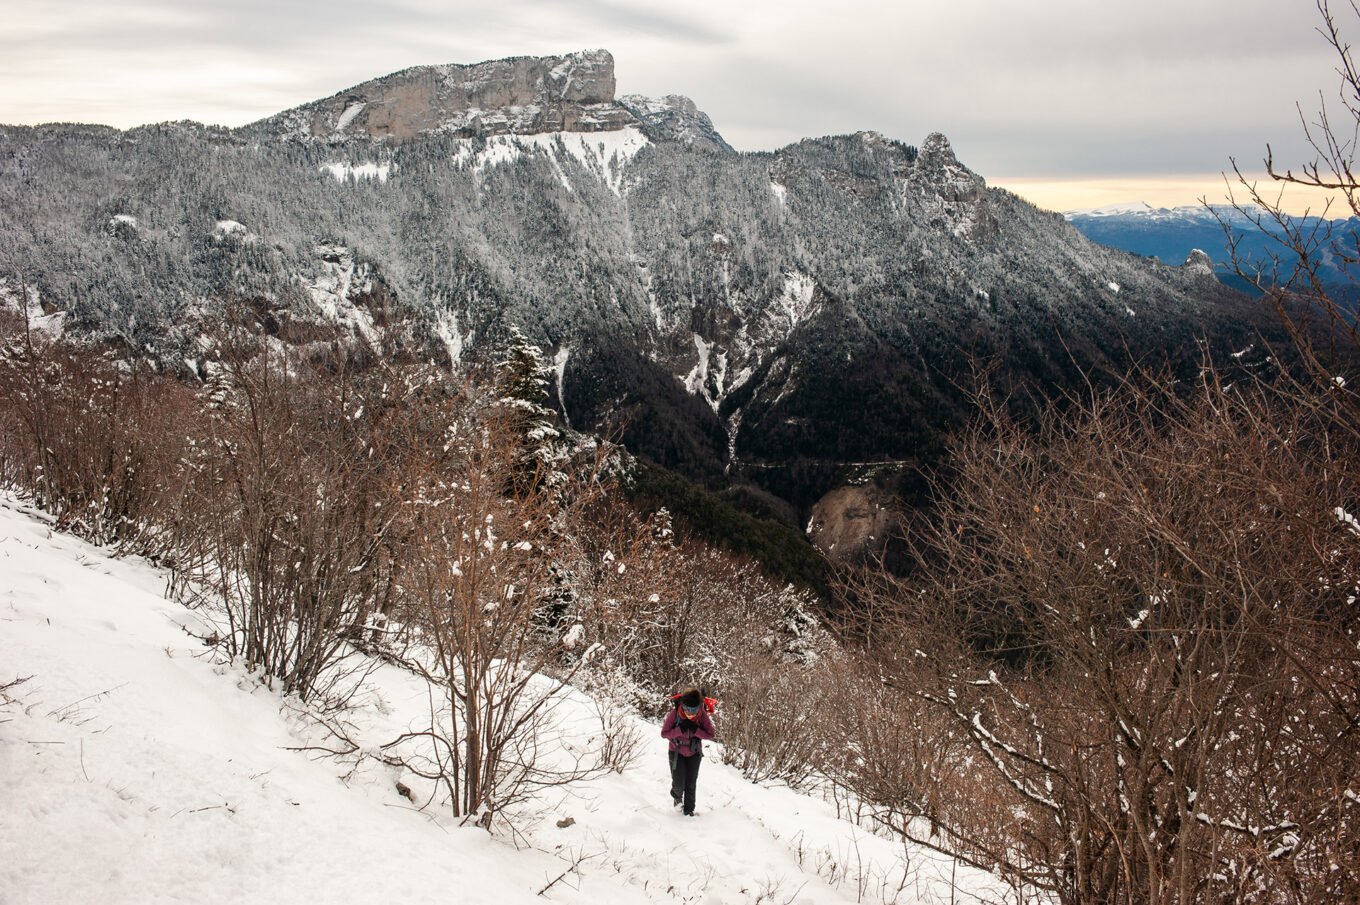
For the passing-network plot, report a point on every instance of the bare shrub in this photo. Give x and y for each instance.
(1132, 617)
(1311, 277)
(621, 739)
(486, 538)
(781, 717)
(8, 698)
(86, 434)
(891, 754)
(285, 521)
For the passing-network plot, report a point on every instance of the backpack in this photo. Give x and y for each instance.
(710, 704)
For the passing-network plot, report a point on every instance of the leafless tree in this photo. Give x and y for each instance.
(486, 545)
(1311, 276)
(1135, 617)
(285, 523)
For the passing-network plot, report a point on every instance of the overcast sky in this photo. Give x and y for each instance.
(1071, 102)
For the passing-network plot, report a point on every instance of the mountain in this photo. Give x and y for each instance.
(1171, 234)
(773, 323)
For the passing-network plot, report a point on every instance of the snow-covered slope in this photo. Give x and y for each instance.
(136, 768)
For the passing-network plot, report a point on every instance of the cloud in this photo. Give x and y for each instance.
(645, 19)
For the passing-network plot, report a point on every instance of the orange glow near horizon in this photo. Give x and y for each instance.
(1168, 191)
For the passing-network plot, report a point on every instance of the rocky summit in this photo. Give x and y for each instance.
(521, 95)
(775, 323)
(515, 96)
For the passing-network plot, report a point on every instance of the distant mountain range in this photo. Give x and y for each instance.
(1170, 234)
(773, 323)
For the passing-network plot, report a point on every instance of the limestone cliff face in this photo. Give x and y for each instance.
(517, 96)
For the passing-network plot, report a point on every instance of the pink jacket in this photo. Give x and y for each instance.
(685, 735)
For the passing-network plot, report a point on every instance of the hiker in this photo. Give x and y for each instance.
(686, 726)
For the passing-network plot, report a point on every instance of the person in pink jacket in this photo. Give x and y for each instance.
(687, 726)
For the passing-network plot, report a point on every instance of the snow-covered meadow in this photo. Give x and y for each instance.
(136, 766)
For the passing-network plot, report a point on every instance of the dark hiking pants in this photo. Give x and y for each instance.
(684, 777)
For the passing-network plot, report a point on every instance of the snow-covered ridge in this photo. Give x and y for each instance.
(1141, 210)
(951, 195)
(1113, 210)
(675, 118)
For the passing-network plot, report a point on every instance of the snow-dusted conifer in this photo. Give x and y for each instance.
(522, 387)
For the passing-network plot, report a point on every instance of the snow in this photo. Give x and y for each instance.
(708, 378)
(139, 768)
(1113, 286)
(694, 380)
(794, 305)
(347, 117)
(560, 370)
(344, 172)
(562, 73)
(446, 328)
(53, 325)
(331, 289)
(604, 154)
(1347, 519)
(124, 220)
(733, 427)
(654, 306)
(232, 229)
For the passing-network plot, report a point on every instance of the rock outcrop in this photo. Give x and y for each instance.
(954, 196)
(517, 96)
(1199, 262)
(850, 520)
(675, 118)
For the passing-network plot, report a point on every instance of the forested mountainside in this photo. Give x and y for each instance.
(778, 319)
